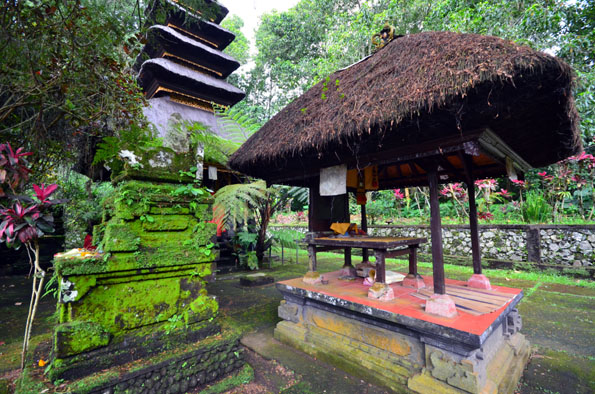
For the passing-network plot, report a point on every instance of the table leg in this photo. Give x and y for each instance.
(413, 279)
(380, 290)
(413, 260)
(380, 266)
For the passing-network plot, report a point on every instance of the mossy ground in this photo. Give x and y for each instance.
(558, 314)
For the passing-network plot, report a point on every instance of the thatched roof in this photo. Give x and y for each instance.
(420, 89)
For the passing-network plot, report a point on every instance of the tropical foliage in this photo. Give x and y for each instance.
(23, 220)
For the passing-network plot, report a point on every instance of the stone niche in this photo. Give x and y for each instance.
(145, 293)
(404, 355)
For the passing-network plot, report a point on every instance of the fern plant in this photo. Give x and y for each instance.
(241, 202)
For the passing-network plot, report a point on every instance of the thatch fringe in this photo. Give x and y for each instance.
(412, 76)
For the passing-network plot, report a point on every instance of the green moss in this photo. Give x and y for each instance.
(169, 210)
(167, 222)
(120, 237)
(204, 212)
(201, 309)
(120, 304)
(244, 376)
(27, 385)
(77, 337)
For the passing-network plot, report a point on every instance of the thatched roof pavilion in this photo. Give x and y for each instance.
(427, 108)
(422, 92)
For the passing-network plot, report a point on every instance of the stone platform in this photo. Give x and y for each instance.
(397, 345)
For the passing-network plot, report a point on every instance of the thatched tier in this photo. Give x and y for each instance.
(420, 97)
(166, 42)
(207, 30)
(160, 77)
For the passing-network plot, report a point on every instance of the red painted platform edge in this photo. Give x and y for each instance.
(404, 303)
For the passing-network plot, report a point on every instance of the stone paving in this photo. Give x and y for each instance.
(558, 321)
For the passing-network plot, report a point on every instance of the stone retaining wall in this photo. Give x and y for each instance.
(571, 245)
(180, 374)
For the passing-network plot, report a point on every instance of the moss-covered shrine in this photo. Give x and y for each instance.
(145, 292)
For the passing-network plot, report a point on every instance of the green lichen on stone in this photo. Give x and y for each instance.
(201, 309)
(79, 336)
(167, 222)
(136, 303)
(203, 212)
(120, 237)
(150, 278)
(169, 210)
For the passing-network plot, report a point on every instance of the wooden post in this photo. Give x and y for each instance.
(347, 257)
(380, 266)
(312, 257)
(436, 231)
(473, 226)
(364, 227)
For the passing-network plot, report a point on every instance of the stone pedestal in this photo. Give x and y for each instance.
(415, 281)
(403, 353)
(479, 281)
(441, 305)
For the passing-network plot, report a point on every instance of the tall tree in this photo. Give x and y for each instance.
(65, 72)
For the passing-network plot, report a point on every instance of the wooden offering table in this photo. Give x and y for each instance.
(383, 247)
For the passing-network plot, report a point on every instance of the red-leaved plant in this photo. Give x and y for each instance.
(24, 220)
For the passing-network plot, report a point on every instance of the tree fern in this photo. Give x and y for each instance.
(235, 123)
(238, 202)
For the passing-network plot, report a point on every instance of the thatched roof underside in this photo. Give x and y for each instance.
(432, 86)
(166, 73)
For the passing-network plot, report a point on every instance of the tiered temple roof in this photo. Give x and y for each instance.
(182, 68)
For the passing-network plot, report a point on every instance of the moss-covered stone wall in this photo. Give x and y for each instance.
(150, 279)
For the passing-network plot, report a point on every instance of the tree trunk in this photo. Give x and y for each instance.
(265, 214)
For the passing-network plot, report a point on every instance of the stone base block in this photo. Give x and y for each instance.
(415, 281)
(441, 305)
(479, 281)
(312, 278)
(381, 291)
(403, 357)
(348, 270)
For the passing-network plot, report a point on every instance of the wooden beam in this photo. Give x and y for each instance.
(436, 232)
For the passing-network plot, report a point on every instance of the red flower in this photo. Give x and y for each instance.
(398, 194)
(504, 193)
(542, 174)
(519, 183)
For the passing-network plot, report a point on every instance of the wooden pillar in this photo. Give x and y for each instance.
(436, 232)
(312, 257)
(473, 226)
(347, 257)
(364, 227)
